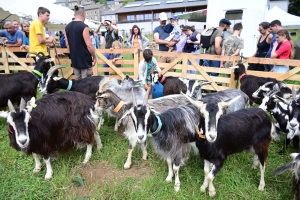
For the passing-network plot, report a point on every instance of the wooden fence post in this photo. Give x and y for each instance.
(5, 62)
(136, 53)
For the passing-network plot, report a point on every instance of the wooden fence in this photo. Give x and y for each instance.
(180, 64)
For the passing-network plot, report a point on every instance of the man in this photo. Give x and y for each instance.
(159, 37)
(232, 46)
(215, 41)
(274, 27)
(110, 30)
(37, 37)
(79, 44)
(14, 38)
(16, 24)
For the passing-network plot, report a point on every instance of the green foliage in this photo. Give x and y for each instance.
(100, 1)
(294, 7)
(126, 2)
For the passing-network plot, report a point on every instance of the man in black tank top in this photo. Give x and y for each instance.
(78, 42)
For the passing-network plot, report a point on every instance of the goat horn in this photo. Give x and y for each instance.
(205, 83)
(104, 83)
(27, 55)
(22, 104)
(146, 96)
(294, 93)
(282, 99)
(53, 69)
(40, 54)
(276, 87)
(10, 106)
(268, 83)
(133, 98)
(198, 103)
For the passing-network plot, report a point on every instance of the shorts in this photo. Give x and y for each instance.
(82, 73)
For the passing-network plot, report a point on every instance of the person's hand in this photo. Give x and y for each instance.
(107, 22)
(221, 65)
(189, 41)
(113, 60)
(94, 61)
(272, 70)
(145, 86)
(171, 43)
(275, 44)
(23, 47)
(159, 74)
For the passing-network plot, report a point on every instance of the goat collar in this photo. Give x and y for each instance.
(9, 130)
(241, 76)
(199, 133)
(159, 125)
(70, 85)
(37, 72)
(119, 106)
(162, 79)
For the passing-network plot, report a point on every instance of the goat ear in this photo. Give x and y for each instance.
(49, 60)
(227, 103)
(22, 104)
(198, 103)
(10, 106)
(294, 155)
(105, 95)
(234, 67)
(128, 112)
(3, 114)
(31, 104)
(294, 93)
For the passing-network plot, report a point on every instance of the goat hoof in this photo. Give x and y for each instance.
(36, 170)
(145, 157)
(48, 176)
(99, 147)
(261, 187)
(212, 193)
(202, 189)
(169, 179)
(127, 165)
(177, 187)
(254, 167)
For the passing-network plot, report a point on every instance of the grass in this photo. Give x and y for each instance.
(236, 180)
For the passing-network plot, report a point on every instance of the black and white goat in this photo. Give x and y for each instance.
(244, 129)
(250, 83)
(175, 85)
(23, 85)
(214, 105)
(282, 90)
(172, 132)
(88, 86)
(294, 166)
(55, 123)
(294, 117)
(108, 100)
(280, 113)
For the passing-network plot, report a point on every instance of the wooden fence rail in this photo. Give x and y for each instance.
(180, 66)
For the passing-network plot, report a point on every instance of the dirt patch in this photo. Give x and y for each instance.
(99, 174)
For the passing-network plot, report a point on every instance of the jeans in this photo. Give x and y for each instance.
(212, 63)
(268, 67)
(281, 69)
(109, 57)
(189, 63)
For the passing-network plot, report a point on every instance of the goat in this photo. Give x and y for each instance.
(172, 131)
(23, 85)
(88, 86)
(53, 124)
(110, 102)
(283, 90)
(214, 105)
(294, 167)
(280, 113)
(249, 83)
(244, 129)
(175, 85)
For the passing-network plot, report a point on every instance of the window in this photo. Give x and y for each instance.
(96, 18)
(87, 14)
(156, 16)
(148, 16)
(169, 14)
(130, 17)
(140, 17)
(95, 12)
(234, 14)
(91, 12)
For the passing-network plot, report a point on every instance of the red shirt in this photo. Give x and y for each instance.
(284, 50)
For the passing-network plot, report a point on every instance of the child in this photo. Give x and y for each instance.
(175, 33)
(146, 66)
(114, 56)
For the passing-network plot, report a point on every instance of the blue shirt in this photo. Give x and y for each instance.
(25, 40)
(163, 35)
(12, 39)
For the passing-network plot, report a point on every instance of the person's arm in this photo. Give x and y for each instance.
(66, 40)
(141, 72)
(145, 41)
(18, 44)
(45, 41)
(89, 45)
(198, 39)
(98, 28)
(119, 57)
(159, 41)
(269, 39)
(104, 43)
(129, 41)
(274, 53)
(222, 54)
(218, 49)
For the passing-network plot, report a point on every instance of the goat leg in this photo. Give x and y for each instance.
(144, 150)
(88, 153)
(38, 164)
(170, 174)
(132, 144)
(49, 171)
(206, 171)
(116, 125)
(98, 140)
(255, 162)
(262, 177)
(176, 167)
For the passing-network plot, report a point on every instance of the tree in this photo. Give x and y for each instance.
(126, 2)
(294, 7)
(100, 1)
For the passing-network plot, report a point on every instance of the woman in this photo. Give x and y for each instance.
(263, 46)
(285, 50)
(137, 40)
(25, 29)
(193, 41)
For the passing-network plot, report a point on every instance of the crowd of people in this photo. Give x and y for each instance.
(274, 42)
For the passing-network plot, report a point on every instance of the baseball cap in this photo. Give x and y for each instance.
(163, 16)
(225, 21)
(175, 18)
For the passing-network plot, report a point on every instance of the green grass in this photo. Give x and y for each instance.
(236, 180)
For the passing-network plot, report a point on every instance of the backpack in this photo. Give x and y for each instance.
(62, 42)
(120, 38)
(206, 36)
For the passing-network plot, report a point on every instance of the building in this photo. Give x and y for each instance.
(145, 13)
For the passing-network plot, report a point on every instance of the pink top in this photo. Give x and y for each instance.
(284, 50)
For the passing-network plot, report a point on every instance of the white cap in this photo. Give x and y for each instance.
(163, 16)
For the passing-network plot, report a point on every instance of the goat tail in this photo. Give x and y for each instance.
(282, 169)
(274, 134)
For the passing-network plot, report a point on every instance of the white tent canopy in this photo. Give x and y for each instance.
(16, 9)
(287, 20)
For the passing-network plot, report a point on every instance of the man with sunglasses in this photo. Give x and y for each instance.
(82, 51)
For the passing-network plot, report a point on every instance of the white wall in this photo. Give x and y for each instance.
(283, 5)
(108, 17)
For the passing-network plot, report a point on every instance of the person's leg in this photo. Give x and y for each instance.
(106, 65)
(212, 63)
(189, 63)
(77, 73)
(281, 69)
(150, 93)
(86, 72)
